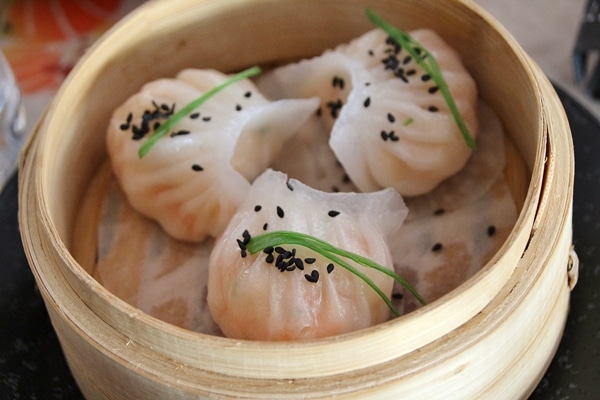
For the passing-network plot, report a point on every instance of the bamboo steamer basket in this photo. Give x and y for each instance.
(492, 337)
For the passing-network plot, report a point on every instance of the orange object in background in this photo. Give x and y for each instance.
(53, 20)
(43, 39)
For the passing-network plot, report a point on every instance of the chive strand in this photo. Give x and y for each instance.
(328, 251)
(429, 64)
(371, 264)
(365, 279)
(278, 238)
(178, 116)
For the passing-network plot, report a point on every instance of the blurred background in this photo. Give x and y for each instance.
(42, 39)
(547, 30)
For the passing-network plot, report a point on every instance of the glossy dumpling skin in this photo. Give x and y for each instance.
(250, 298)
(193, 179)
(390, 125)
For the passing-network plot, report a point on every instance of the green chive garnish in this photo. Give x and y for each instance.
(408, 121)
(178, 116)
(429, 64)
(334, 254)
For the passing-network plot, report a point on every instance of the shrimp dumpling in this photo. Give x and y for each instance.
(192, 180)
(390, 124)
(292, 292)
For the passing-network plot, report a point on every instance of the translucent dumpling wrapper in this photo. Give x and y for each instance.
(474, 181)
(451, 232)
(390, 124)
(192, 180)
(252, 297)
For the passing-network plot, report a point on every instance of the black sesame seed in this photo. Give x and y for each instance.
(436, 247)
(337, 81)
(313, 277)
(299, 264)
(241, 244)
(279, 259)
(280, 212)
(406, 60)
(139, 133)
(399, 73)
(248, 94)
(129, 118)
(176, 133)
(268, 250)
(285, 262)
(197, 168)
(330, 268)
(194, 115)
(257, 207)
(439, 211)
(391, 118)
(391, 135)
(334, 107)
(243, 253)
(391, 41)
(433, 89)
(391, 62)
(333, 213)
(397, 296)
(124, 126)
(246, 236)
(367, 102)
(289, 186)
(279, 250)
(310, 260)
(265, 226)
(270, 258)
(238, 107)
(206, 119)
(425, 77)
(491, 230)
(346, 178)
(433, 109)
(371, 52)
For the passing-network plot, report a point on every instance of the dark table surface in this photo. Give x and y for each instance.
(32, 365)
